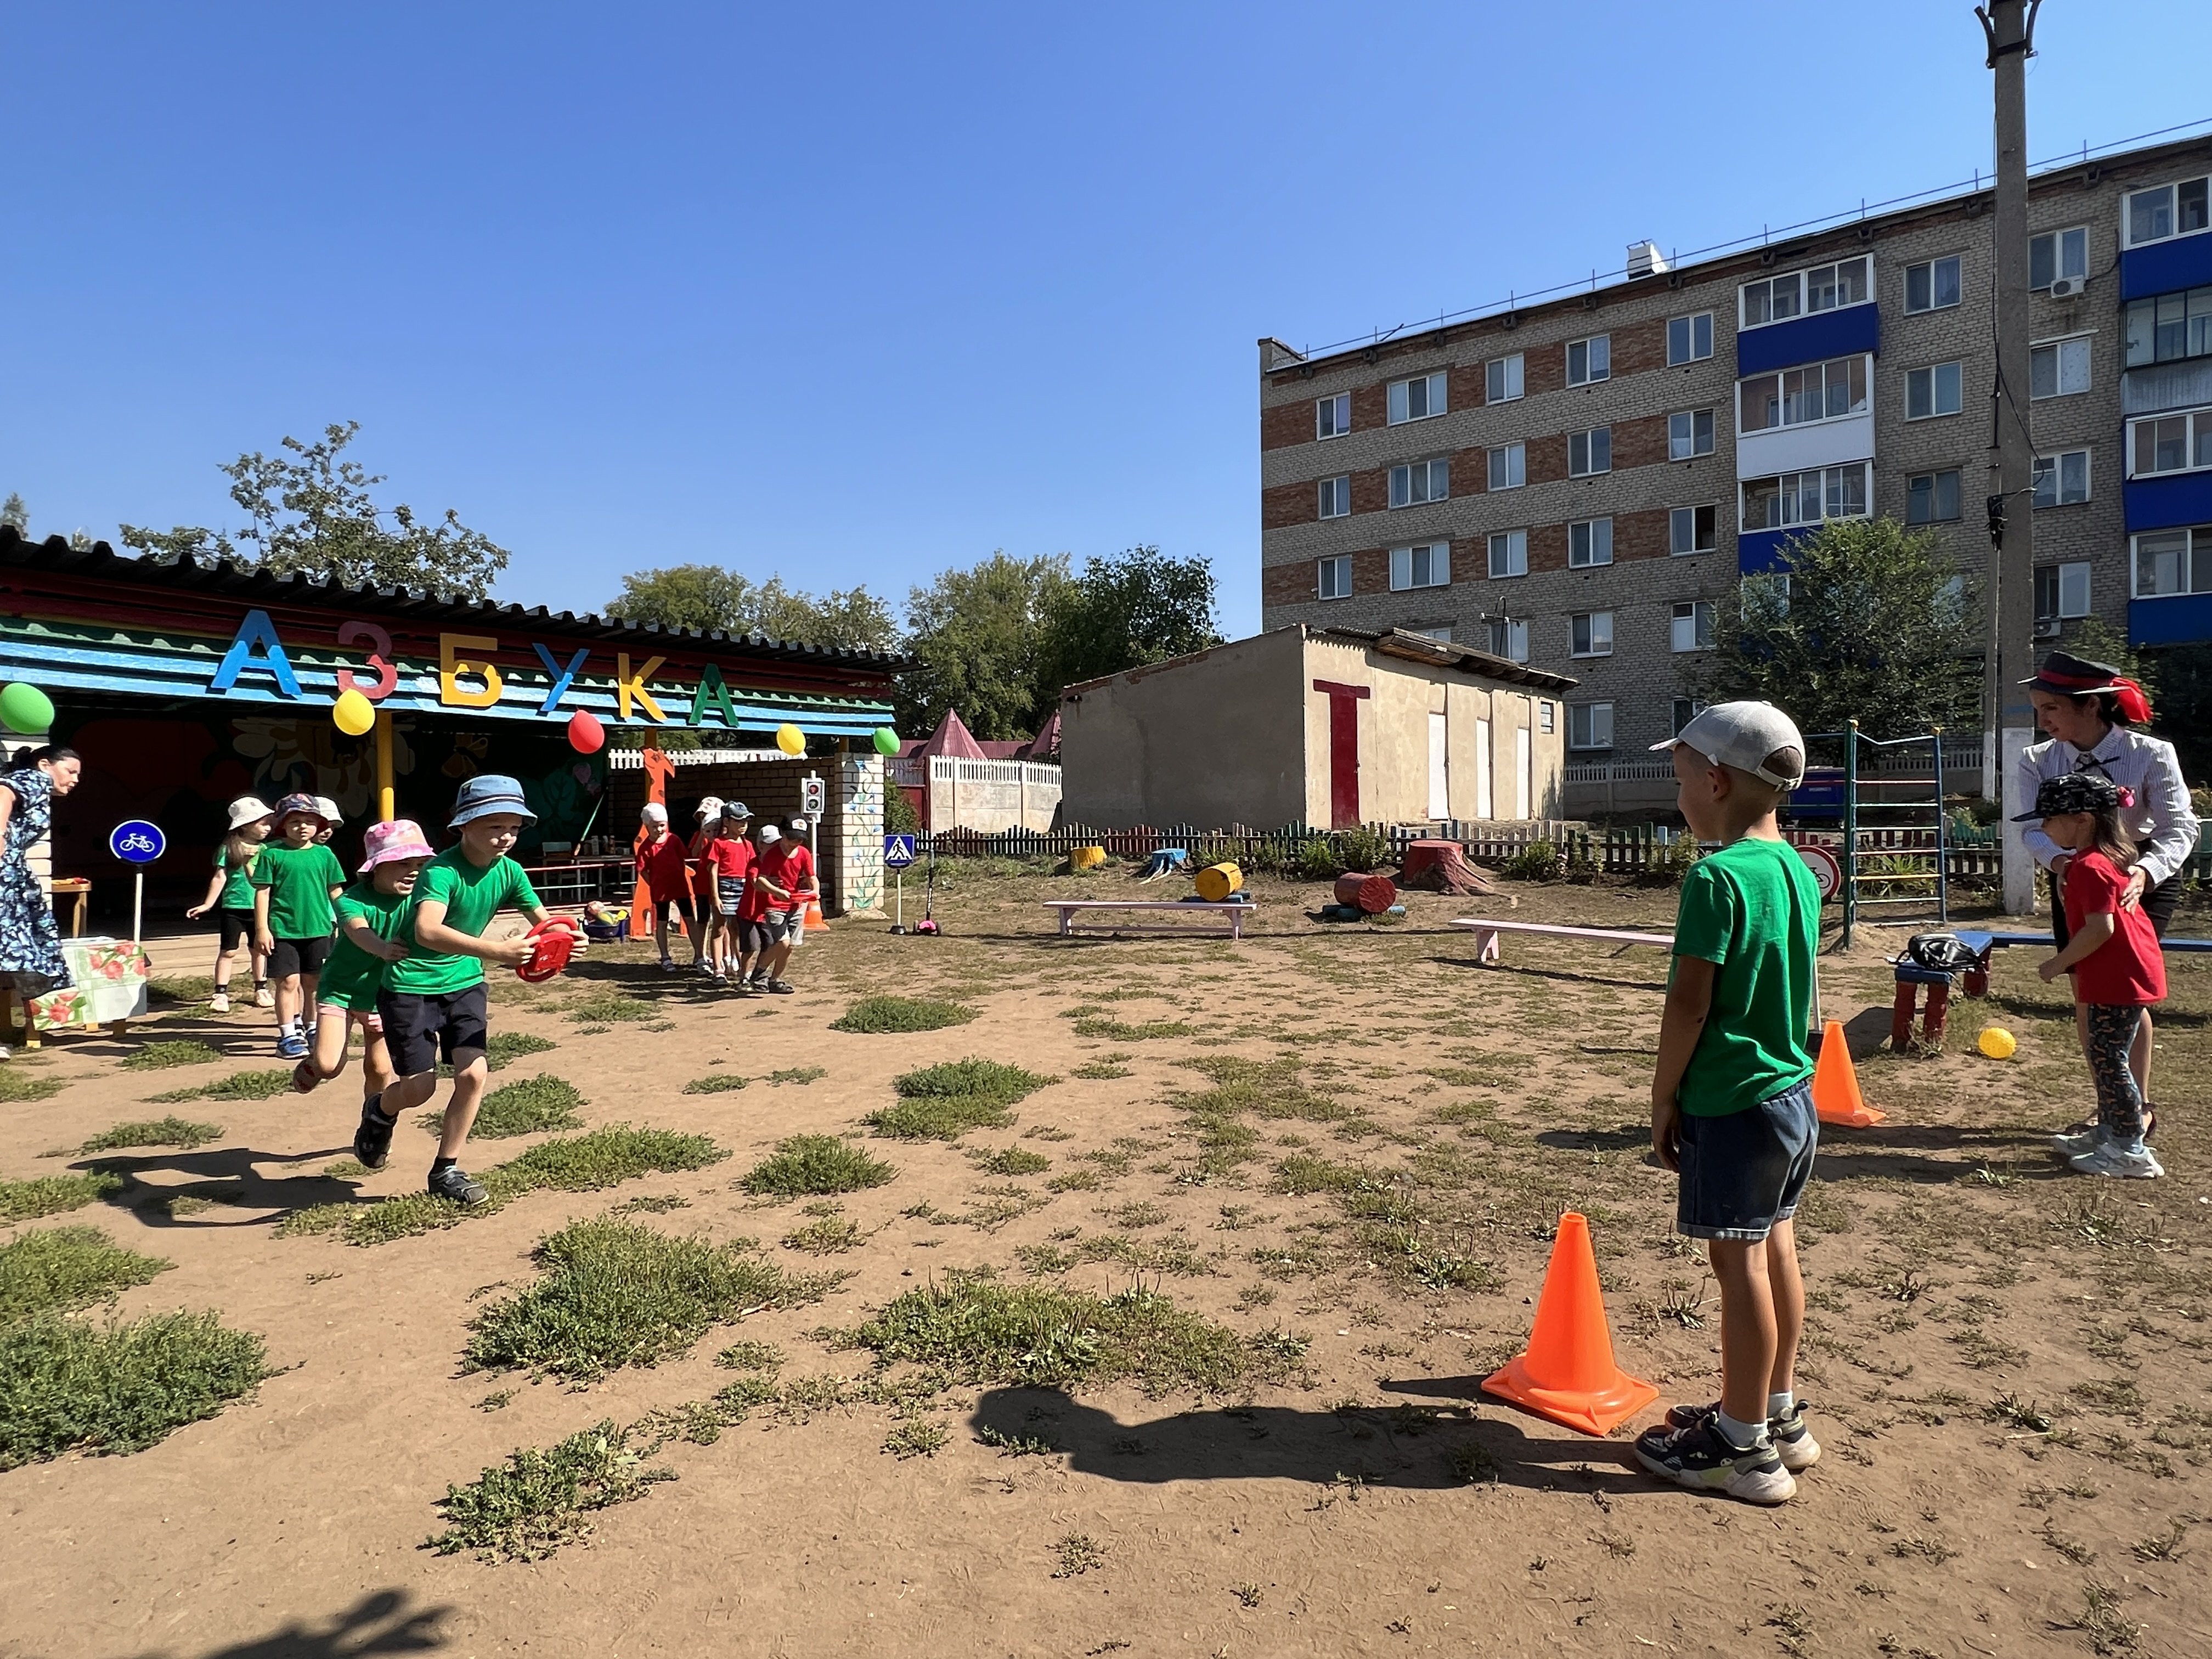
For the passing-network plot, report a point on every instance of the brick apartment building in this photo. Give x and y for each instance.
(1575, 485)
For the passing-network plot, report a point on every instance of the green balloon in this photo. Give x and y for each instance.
(887, 741)
(26, 709)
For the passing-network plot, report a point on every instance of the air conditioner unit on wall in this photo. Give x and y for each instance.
(2067, 288)
(2048, 628)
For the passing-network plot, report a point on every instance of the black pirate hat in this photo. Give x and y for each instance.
(2069, 676)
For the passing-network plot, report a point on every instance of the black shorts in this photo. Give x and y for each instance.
(299, 956)
(421, 1029)
(2158, 903)
(750, 940)
(237, 927)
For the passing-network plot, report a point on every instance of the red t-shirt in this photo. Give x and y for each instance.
(790, 866)
(2128, 968)
(731, 859)
(703, 855)
(665, 867)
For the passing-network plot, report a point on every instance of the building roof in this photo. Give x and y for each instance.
(1443, 654)
(55, 557)
(953, 738)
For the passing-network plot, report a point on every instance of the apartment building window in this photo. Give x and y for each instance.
(1425, 564)
(1508, 553)
(2166, 211)
(1442, 635)
(1336, 577)
(2062, 591)
(1692, 626)
(1806, 497)
(1589, 543)
(1336, 497)
(1417, 399)
(2059, 368)
(2170, 562)
(1693, 529)
(1818, 392)
(1509, 466)
(1590, 634)
(1689, 339)
(2169, 328)
(1418, 482)
(1333, 416)
(2056, 254)
(1590, 452)
(1933, 286)
(1802, 293)
(1686, 710)
(1501, 378)
(2062, 480)
(1689, 434)
(1589, 726)
(1590, 360)
(2170, 443)
(1765, 598)
(1931, 497)
(1938, 390)
(1508, 638)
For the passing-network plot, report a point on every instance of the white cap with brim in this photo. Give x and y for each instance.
(1743, 735)
(655, 813)
(769, 834)
(710, 807)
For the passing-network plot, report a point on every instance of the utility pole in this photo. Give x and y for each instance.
(2008, 26)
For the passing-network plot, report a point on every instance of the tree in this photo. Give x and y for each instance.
(982, 643)
(311, 512)
(708, 597)
(1133, 608)
(2177, 680)
(1865, 621)
(14, 512)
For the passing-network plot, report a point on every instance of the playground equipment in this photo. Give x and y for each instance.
(1567, 1372)
(1836, 1096)
(1070, 910)
(1891, 840)
(1216, 882)
(1486, 930)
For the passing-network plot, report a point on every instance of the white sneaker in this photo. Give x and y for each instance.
(220, 1002)
(264, 997)
(2113, 1159)
(2078, 1142)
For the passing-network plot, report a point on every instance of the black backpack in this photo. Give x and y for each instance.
(1941, 953)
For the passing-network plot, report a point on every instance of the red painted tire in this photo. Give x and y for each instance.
(556, 943)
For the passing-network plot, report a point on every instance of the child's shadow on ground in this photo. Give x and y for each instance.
(226, 1176)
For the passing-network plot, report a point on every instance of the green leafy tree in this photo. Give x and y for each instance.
(2177, 678)
(311, 510)
(14, 512)
(1136, 607)
(1869, 625)
(981, 640)
(708, 597)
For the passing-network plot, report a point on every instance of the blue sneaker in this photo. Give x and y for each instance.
(292, 1046)
(1698, 1458)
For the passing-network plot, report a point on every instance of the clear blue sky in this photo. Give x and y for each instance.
(852, 294)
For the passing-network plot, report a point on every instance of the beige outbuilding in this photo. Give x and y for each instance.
(1327, 727)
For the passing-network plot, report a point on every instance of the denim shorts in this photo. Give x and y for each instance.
(1744, 1172)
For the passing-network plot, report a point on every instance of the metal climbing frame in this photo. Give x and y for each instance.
(1893, 839)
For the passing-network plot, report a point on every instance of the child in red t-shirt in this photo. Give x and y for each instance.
(730, 874)
(2114, 955)
(784, 877)
(664, 865)
(706, 955)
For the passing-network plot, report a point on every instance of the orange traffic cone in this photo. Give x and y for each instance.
(1568, 1373)
(816, 922)
(1836, 1096)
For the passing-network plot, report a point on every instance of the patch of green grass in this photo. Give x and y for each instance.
(1115, 1031)
(159, 1056)
(538, 1500)
(344, 1169)
(1041, 1336)
(61, 1269)
(507, 1046)
(66, 1385)
(916, 1436)
(751, 1356)
(799, 1074)
(239, 1086)
(162, 1132)
(943, 1101)
(1012, 1161)
(18, 1084)
(1099, 1070)
(607, 1006)
(827, 1234)
(25, 1201)
(1077, 1552)
(875, 1015)
(185, 988)
(806, 1166)
(716, 1082)
(527, 1106)
(617, 1293)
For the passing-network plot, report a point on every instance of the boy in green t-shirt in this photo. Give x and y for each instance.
(297, 882)
(432, 1001)
(373, 913)
(1731, 1097)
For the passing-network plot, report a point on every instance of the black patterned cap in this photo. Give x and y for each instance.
(2076, 792)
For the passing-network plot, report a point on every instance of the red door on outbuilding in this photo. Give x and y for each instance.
(1344, 702)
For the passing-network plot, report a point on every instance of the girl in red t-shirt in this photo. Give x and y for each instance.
(2114, 955)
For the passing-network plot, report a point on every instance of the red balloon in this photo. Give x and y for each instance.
(585, 735)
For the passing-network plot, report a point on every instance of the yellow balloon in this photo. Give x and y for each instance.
(790, 739)
(1996, 1042)
(353, 713)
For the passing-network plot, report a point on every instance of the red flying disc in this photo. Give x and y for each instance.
(557, 942)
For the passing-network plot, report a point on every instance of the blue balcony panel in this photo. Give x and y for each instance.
(1809, 339)
(2168, 503)
(2185, 619)
(2166, 267)
(1758, 551)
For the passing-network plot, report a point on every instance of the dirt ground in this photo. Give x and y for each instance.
(2006, 1363)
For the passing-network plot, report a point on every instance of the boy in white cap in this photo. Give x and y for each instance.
(1731, 1096)
(664, 865)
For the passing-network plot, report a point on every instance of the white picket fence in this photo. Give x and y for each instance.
(983, 795)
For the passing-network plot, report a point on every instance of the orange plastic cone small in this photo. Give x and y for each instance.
(1836, 1096)
(1568, 1373)
(816, 922)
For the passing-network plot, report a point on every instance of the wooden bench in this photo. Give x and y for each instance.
(1486, 932)
(1983, 943)
(1067, 909)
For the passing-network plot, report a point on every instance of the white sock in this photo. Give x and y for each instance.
(1779, 1405)
(1744, 1436)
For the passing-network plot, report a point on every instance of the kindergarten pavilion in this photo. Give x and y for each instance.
(185, 684)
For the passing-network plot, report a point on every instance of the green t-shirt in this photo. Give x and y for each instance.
(472, 896)
(352, 977)
(299, 880)
(1753, 908)
(237, 879)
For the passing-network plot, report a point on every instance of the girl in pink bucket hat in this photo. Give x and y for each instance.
(372, 915)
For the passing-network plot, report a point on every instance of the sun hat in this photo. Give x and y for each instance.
(486, 794)
(736, 811)
(249, 808)
(655, 813)
(2066, 675)
(709, 806)
(388, 843)
(1743, 735)
(329, 809)
(2074, 791)
(769, 835)
(293, 806)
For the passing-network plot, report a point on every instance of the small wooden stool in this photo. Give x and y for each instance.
(1910, 978)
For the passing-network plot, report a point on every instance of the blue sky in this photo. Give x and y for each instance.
(854, 293)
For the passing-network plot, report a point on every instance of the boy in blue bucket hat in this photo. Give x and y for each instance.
(433, 1001)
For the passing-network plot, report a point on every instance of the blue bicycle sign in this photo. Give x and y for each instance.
(137, 841)
(898, 851)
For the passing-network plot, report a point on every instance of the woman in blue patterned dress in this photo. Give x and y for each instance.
(30, 943)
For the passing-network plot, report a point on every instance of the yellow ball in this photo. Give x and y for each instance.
(1996, 1042)
(353, 713)
(790, 739)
